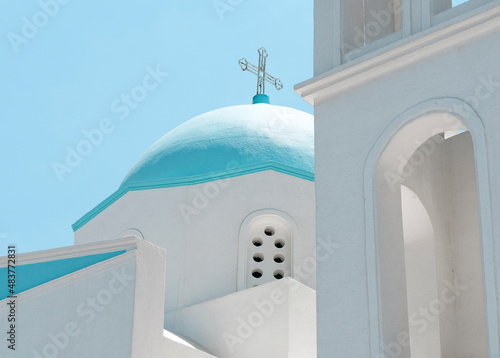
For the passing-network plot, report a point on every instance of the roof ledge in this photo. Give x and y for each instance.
(388, 59)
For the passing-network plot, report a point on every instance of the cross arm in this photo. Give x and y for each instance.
(247, 66)
(274, 81)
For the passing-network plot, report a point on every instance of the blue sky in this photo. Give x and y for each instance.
(69, 68)
(65, 74)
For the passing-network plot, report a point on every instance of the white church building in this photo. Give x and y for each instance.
(370, 230)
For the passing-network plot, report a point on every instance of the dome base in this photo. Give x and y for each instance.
(260, 98)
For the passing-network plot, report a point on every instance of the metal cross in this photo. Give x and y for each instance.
(262, 75)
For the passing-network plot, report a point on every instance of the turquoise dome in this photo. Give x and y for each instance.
(220, 144)
(228, 142)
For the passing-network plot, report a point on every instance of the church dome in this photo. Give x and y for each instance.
(223, 143)
(228, 142)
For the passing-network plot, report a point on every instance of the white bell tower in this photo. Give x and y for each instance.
(407, 121)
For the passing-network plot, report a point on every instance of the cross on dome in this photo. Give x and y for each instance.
(262, 76)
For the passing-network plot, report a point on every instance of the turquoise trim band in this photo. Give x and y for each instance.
(33, 275)
(197, 179)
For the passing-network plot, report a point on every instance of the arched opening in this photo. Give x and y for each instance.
(429, 243)
(265, 248)
(131, 232)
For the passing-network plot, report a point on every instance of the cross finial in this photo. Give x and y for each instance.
(262, 76)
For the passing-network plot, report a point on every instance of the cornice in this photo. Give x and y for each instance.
(400, 54)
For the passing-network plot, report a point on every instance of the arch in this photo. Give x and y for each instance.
(273, 260)
(426, 119)
(131, 232)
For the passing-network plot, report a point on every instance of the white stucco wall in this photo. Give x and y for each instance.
(274, 320)
(358, 109)
(113, 308)
(61, 317)
(202, 246)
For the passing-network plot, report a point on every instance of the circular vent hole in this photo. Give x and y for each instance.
(257, 241)
(279, 258)
(257, 273)
(269, 231)
(278, 274)
(279, 243)
(258, 257)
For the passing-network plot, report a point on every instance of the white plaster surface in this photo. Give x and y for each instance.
(274, 320)
(202, 251)
(56, 319)
(110, 309)
(359, 108)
